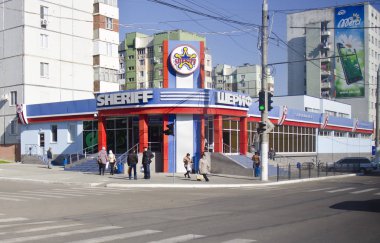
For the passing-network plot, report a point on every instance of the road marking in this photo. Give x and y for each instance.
(181, 238)
(117, 237)
(85, 192)
(39, 194)
(59, 234)
(321, 189)
(59, 193)
(10, 199)
(341, 190)
(377, 193)
(42, 228)
(363, 191)
(12, 220)
(239, 241)
(16, 225)
(22, 197)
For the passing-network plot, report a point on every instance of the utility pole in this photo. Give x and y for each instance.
(264, 114)
(377, 117)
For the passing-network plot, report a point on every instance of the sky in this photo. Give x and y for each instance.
(228, 42)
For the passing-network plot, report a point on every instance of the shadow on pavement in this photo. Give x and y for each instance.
(369, 205)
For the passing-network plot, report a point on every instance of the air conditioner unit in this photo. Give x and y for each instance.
(44, 22)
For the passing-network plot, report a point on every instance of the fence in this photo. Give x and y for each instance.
(313, 170)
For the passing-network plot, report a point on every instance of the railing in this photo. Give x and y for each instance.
(227, 149)
(36, 151)
(121, 158)
(82, 154)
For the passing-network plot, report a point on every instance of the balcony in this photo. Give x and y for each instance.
(325, 85)
(325, 33)
(325, 60)
(325, 46)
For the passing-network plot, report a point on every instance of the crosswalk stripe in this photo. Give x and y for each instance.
(33, 223)
(342, 190)
(85, 192)
(10, 199)
(321, 189)
(362, 191)
(239, 241)
(59, 234)
(117, 237)
(181, 238)
(377, 193)
(42, 228)
(59, 193)
(12, 219)
(17, 196)
(42, 194)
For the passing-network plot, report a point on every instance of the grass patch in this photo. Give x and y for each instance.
(4, 162)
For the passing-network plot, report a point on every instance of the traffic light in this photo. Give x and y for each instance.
(270, 101)
(170, 130)
(261, 100)
(262, 127)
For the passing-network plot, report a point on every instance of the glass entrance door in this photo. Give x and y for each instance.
(231, 135)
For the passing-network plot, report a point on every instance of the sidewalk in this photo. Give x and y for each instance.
(40, 174)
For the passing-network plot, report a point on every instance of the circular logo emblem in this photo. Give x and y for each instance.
(184, 59)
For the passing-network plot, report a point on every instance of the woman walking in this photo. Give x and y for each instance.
(112, 160)
(187, 163)
(204, 167)
(102, 160)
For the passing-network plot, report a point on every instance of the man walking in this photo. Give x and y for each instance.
(132, 160)
(102, 160)
(146, 160)
(49, 156)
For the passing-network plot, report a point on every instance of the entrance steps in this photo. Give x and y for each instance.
(87, 165)
(236, 165)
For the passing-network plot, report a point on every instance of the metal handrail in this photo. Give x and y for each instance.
(230, 149)
(80, 154)
(121, 158)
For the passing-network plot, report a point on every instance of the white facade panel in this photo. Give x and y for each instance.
(109, 36)
(13, 42)
(109, 11)
(184, 129)
(12, 18)
(105, 49)
(109, 62)
(344, 145)
(11, 71)
(108, 86)
(82, 51)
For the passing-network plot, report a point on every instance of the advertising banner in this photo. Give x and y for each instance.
(349, 46)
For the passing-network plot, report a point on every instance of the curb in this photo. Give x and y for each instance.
(95, 184)
(119, 185)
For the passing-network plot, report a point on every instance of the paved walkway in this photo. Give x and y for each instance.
(40, 174)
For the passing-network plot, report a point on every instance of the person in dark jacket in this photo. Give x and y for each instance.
(49, 156)
(146, 160)
(132, 160)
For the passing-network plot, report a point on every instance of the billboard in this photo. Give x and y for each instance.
(349, 46)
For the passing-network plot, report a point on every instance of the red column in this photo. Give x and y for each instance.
(143, 132)
(243, 135)
(165, 146)
(102, 135)
(218, 133)
(202, 143)
(202, 65)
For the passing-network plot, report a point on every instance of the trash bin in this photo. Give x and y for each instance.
(298, 165)
(64, 161)
(120, 168)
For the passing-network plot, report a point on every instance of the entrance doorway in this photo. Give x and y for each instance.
(231, 128)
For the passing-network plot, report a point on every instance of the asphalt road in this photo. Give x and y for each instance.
(335, 210)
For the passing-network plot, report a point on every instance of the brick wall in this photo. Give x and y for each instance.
(10, 152)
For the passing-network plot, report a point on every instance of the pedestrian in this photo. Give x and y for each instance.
(102, 160)
(272, 154)
(187, 163)
(132, 161)
(111, 160)
(146, 160)
(204, 167)
(49, 156)
(256, 164)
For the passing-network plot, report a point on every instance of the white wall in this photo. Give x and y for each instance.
(343, 145)
(109, 11)
(184, 130)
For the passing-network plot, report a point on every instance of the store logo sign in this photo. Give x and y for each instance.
(126, 98)
(233, 99)
(184, 59)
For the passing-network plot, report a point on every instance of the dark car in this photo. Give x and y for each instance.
(353, 164)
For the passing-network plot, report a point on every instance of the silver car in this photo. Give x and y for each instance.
(354, 164)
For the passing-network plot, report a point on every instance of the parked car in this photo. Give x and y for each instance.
(353, 164)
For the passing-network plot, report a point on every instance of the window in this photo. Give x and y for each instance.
(13, 98)
(150, 51)
(109, 24)
(142, 62)
(14, 127)
(141, 85)
(43, 12)
(44, 41)
(131, 79)
(142, 74)
(160, 49)
(109, 49)
(131, 57)
(44, 70)
(160, 72)
(131, 68)
(54, 133)
(72, 133)
(160, 84)
(141, 51)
